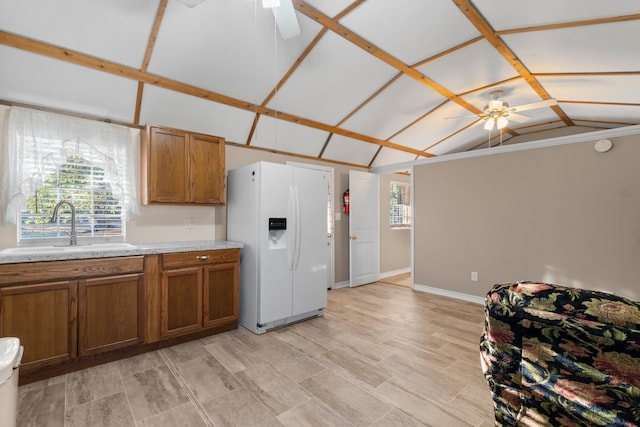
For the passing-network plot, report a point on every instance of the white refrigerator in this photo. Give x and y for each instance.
(279, 213)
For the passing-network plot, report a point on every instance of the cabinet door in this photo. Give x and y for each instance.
(110, 313)
(181, 301)
(168, 172)
(43, 316)
(221, 294)
(207, 169)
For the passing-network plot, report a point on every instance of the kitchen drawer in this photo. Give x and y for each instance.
(184, 259)
(29, 272)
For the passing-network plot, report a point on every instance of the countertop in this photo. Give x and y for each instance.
(24, 254)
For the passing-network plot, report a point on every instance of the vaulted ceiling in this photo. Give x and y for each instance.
(367, 82)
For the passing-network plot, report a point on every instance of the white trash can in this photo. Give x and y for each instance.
(10, 357)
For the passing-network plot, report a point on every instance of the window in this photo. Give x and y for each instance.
(98, 212)
(49, 158)
(399, 204)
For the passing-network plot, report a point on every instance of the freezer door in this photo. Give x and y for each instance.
(274, 289)
(310, 255)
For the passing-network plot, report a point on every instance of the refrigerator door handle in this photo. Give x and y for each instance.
(292, 227)
(297, 226)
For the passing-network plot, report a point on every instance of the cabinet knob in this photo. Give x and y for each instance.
(202, 257)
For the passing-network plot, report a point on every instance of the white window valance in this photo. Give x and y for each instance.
(37, 139)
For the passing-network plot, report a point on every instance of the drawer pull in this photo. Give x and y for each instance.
(202, 257)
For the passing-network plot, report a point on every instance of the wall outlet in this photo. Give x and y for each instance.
(474, 276)
(191, 223)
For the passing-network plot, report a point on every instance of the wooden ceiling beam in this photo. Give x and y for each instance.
(494, 39)
(589, 73)
(78, 58)
(573, 24)
(327, 22)
(147, 57)
(370, 98)
(295, 66)
(448, 52)
(282, 81)
(288, 153)
(621, 104)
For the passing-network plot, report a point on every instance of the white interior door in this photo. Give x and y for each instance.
(364, 223)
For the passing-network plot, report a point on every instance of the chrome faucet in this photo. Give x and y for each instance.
(73, 237)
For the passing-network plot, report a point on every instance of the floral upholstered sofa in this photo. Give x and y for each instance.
(560, 356)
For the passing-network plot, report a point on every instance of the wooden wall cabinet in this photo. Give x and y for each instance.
(182, 168)
(200, 290)
(61, 310)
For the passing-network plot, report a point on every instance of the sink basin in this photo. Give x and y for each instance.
(99, 247)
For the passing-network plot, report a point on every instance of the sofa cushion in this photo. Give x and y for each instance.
(555, 355)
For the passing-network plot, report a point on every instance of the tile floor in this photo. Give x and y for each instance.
(380, 356)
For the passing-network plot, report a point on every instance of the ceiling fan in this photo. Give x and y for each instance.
(285, 16)
(496, 111)
(283, 11)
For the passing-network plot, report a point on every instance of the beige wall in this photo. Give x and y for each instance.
(170, 223)
(564, 214)
(395, 244)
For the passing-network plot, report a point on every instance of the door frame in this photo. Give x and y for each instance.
(329, 173)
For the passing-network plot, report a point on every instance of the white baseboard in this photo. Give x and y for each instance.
(446, 293)
(395, 272)
(341, 285)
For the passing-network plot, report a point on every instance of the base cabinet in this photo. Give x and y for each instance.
(93, 306)
(78, 313)
(199, 290)
(110, 313)
(181, 301)
(221, 294)
(43, 316)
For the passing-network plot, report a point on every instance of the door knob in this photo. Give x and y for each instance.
(353, 237)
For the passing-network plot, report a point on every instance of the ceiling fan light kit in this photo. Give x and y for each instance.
(501, 122)
(496, 111)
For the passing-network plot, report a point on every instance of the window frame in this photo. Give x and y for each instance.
(75, 168)
(27, 156)
(407, 211)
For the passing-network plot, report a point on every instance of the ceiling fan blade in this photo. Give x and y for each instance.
(459, 117)
(533, 105)
(518, 118)
(191, 3)
(286, 20)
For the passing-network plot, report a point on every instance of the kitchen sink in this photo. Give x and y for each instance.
(98, 247)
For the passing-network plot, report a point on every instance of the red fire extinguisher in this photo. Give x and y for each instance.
(345, 202)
